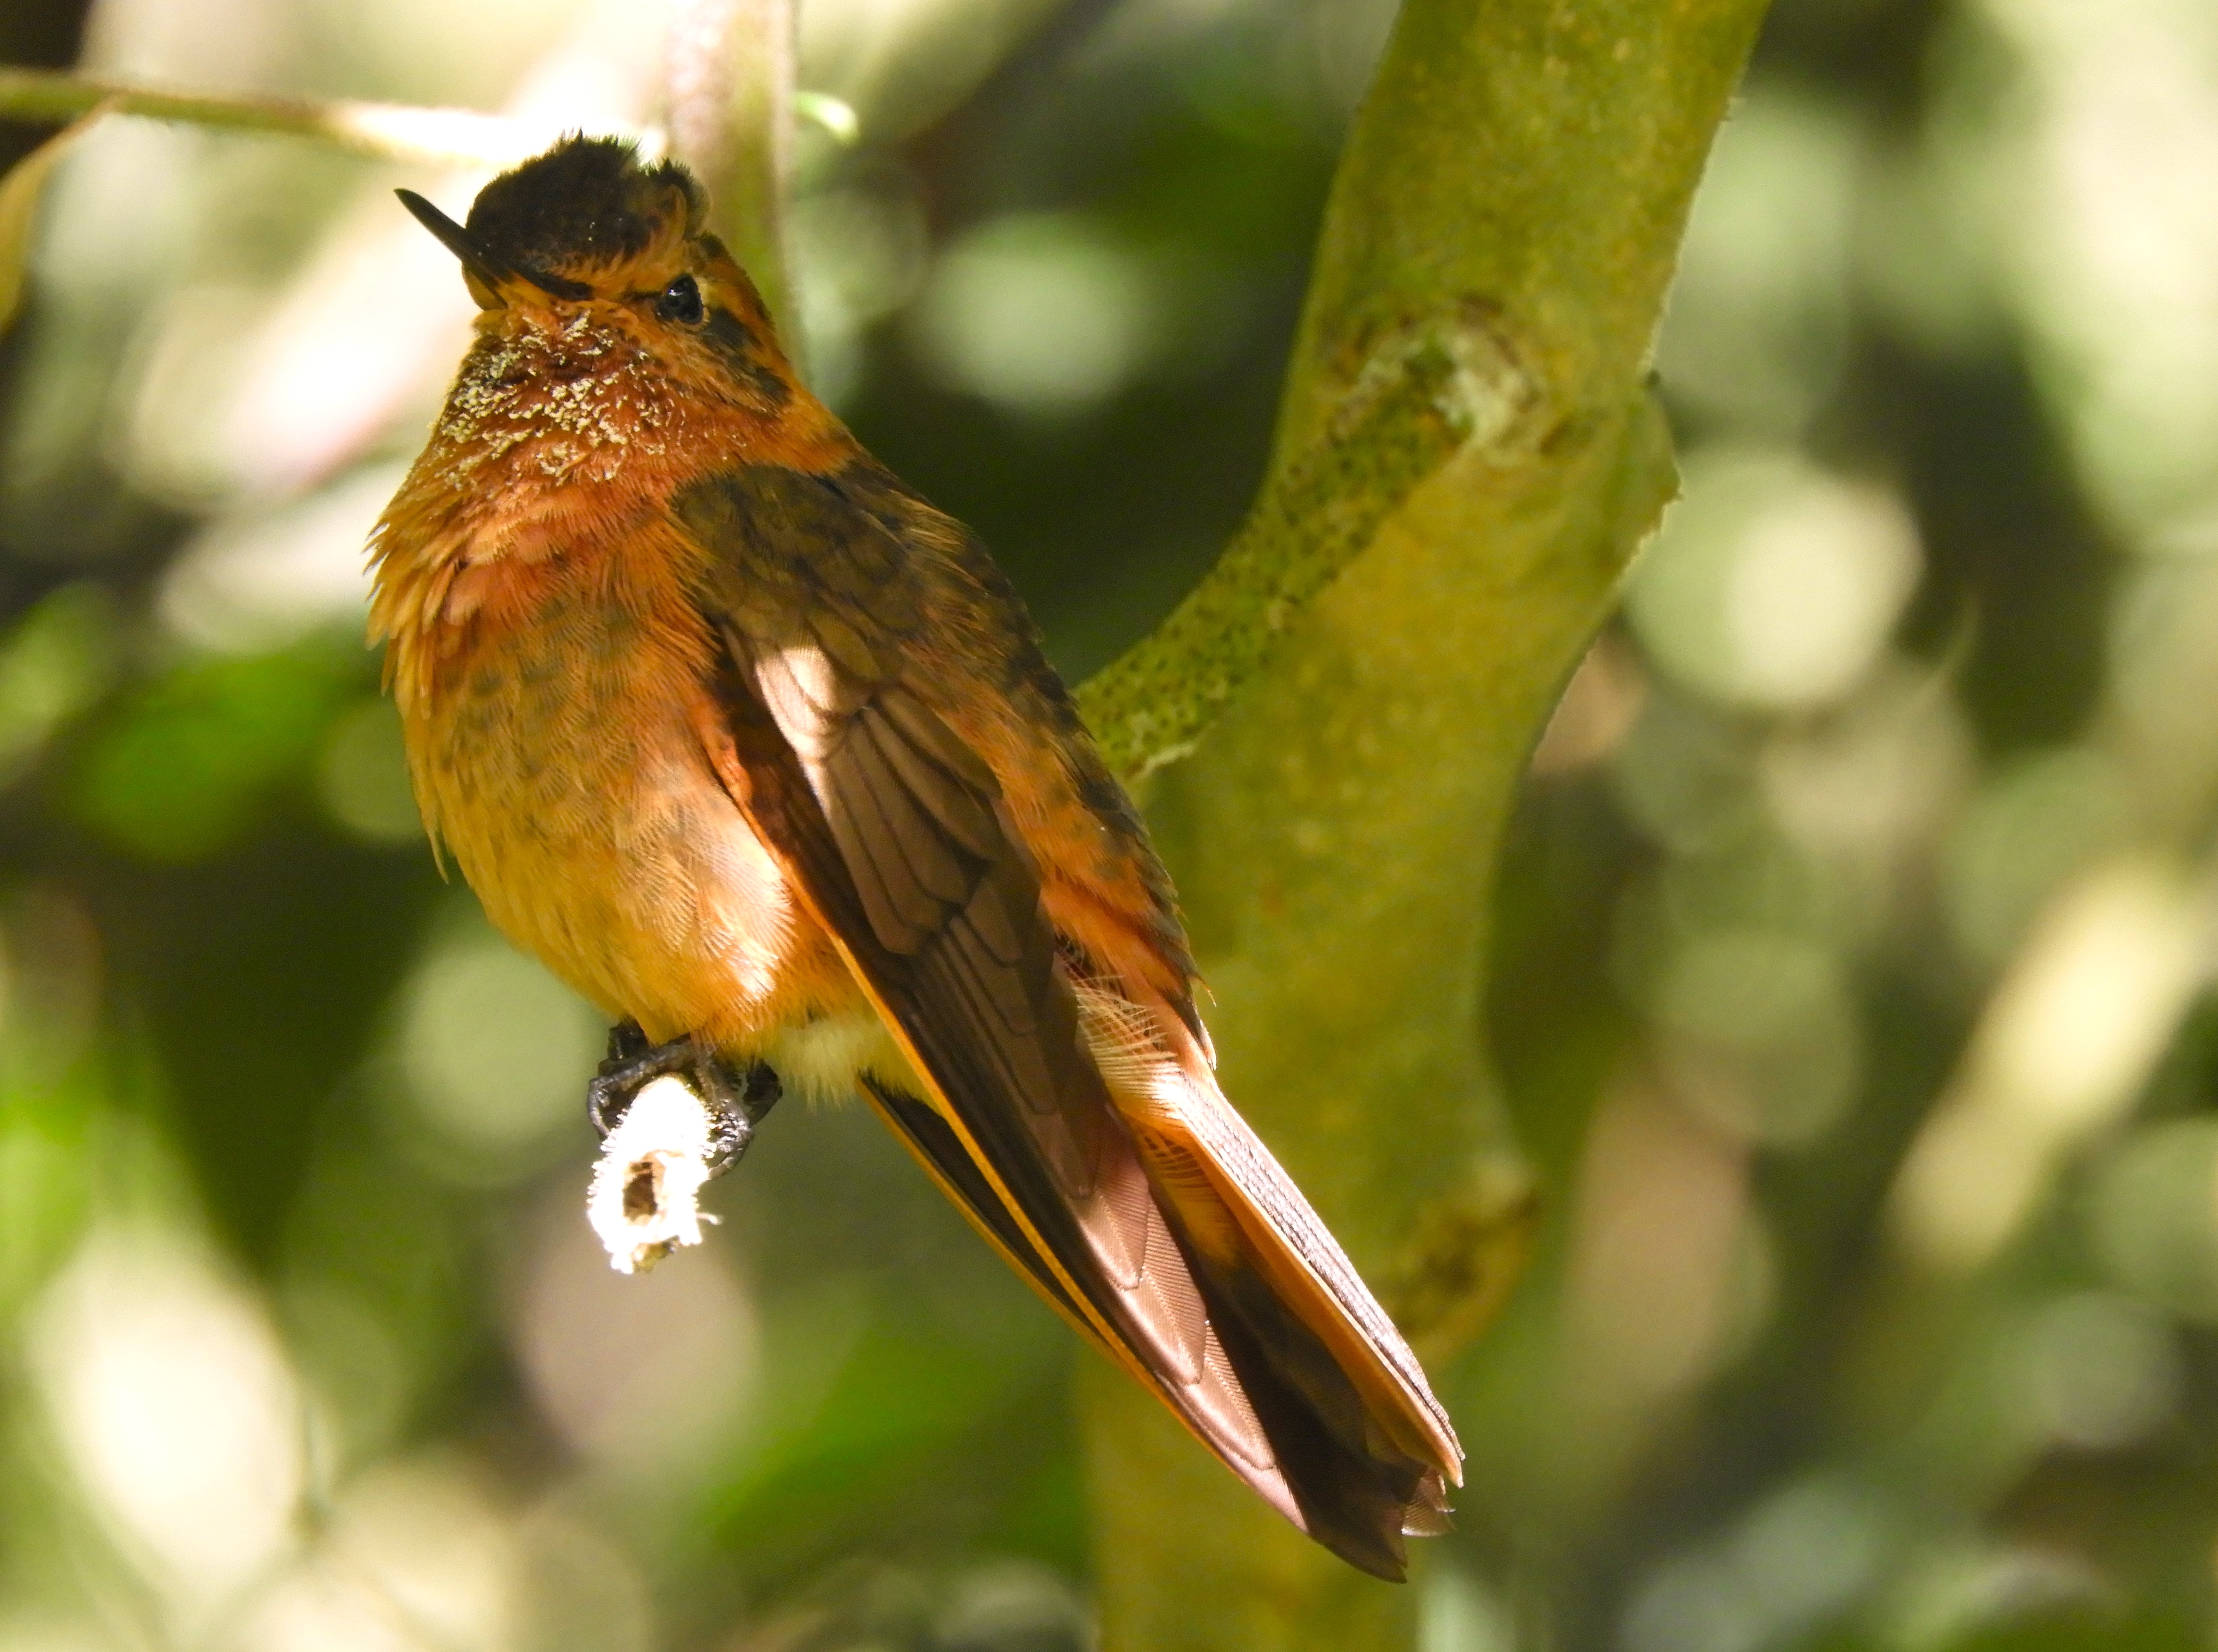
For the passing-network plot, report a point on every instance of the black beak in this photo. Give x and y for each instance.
(459, 241)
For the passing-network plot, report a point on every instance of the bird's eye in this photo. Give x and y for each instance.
(681, 302)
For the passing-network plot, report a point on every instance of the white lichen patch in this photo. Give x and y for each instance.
(1489, 397)
(645, 1198)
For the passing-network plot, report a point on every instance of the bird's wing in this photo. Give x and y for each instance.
(895, 834)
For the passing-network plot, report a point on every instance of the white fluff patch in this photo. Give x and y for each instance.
(645, 1198)
(818, 1061)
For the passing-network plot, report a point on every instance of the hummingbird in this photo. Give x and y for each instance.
(761, 754)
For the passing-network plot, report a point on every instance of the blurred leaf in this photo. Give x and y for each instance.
(898, 1404)
(45, 1182)
(58, 663)
(19, 207)
(187, 763)
(361, 775)
(1046, 1517)
(2088, 1629)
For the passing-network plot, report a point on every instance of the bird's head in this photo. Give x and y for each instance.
(588, 229)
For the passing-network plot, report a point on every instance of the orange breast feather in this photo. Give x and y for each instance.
(549, 676)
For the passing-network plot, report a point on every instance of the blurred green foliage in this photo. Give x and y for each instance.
(1850, 966)
(186, 765)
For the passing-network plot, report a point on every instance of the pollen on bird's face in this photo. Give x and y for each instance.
(561, 394)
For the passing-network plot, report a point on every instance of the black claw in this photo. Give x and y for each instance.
(736, 1101)
(739, 1107)
(630, 1066)
(626, 1043)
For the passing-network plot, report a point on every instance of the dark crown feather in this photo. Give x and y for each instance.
(586, 202)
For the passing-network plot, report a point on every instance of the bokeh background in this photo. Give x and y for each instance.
(1852, 975)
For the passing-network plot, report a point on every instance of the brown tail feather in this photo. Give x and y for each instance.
(1357, 1492)
(1238, 1366)
(1283, 1242)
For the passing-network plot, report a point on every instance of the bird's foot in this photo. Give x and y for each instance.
(735, 1100)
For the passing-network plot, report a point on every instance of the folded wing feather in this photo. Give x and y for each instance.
(1168, 1235)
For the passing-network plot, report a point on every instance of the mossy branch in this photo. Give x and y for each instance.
(1356, 438)
(1421, 398)
(1467, 456)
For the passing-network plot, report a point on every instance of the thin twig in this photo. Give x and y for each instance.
(390, 132)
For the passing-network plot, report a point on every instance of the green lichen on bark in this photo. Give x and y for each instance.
(1467, 457)
(1421, 399)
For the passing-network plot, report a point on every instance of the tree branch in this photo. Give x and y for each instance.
(1426, 397)
(1467, 456)
(389, 132)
